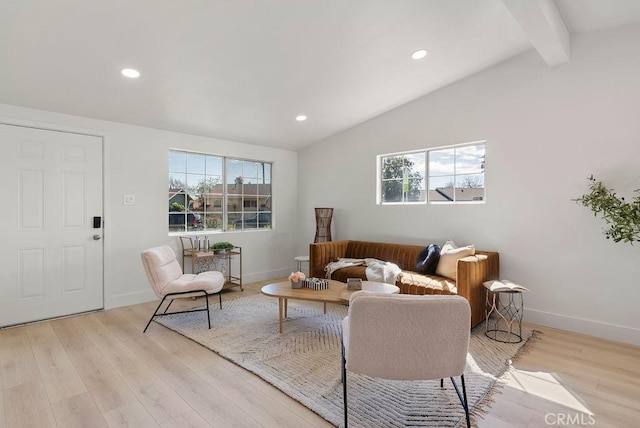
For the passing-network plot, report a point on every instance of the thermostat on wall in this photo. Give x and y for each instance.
(129, 199)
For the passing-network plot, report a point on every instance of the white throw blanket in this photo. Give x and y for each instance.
(377, 270)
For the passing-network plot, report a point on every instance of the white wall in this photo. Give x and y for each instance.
(547, 129)
(136, 161)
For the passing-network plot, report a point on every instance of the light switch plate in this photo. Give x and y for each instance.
(129, 199)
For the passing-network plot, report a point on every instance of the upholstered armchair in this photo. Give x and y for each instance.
(384, 336)
(168, 282)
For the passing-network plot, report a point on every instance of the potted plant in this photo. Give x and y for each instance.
(622, 218)
(222, 247)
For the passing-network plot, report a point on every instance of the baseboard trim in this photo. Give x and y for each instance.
(600, 329)
(129, 299)
(264, 276)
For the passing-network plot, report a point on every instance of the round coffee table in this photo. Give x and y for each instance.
(336, 293)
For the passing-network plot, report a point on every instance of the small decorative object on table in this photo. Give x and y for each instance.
(222, 247)
(354, 284)
(315, 284)
(297, 279)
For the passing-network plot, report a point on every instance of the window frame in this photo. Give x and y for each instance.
(455, 175)
(220, 200)
(380, 166)
(428, 177)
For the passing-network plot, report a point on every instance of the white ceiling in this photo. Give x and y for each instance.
(243, 69)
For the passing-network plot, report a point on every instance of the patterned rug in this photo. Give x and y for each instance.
(304, 363)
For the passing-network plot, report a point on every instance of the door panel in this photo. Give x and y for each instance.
(51, 265)
(31, 273)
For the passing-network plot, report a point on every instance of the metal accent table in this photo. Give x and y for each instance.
(503, 319)
(201, 260)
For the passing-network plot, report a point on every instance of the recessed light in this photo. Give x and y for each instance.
(419, 54)
(130, 73)
(301, 118)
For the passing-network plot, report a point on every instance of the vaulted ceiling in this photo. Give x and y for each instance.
(244, 69)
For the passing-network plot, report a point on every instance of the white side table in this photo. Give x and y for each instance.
(299, 260)
(503, 315)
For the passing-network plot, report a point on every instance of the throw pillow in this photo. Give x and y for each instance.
(449, 256)
(428, 260)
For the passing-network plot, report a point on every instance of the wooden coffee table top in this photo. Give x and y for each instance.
(336, 293)
(376, 287)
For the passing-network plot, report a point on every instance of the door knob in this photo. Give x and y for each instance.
(96, 237)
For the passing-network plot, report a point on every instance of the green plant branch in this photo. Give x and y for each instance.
(223, 245)
(622, 217)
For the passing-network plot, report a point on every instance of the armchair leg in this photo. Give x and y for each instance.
(167, 308)
(463, 398)
(154, 314)
(344, 387)
(206, 299)
(466, 402)
(171, 297)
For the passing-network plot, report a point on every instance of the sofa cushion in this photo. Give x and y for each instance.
(428, 260)
(449, 256)
(415, 283)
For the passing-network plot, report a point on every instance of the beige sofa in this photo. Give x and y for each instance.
(472, 271)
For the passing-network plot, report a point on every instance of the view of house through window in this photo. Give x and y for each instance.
(456, 174)
(448, 174)
(216, 193)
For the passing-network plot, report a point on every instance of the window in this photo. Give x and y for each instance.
(456, 174)
(403, 178)
(215, 193)
(451, 174)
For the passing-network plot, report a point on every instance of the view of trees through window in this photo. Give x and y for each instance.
(403, 178)
(450, 174)
(216, 193)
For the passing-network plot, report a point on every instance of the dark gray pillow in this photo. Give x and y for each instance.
(428, 260)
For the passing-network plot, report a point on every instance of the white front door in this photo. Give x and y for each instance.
(51, 256)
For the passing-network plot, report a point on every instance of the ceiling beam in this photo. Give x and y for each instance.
(541, 22)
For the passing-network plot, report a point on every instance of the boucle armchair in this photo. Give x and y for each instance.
(168, 282)
(384, 337)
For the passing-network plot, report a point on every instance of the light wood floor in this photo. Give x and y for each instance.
(99, 370)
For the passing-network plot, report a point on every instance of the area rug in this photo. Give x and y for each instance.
(304, 363)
